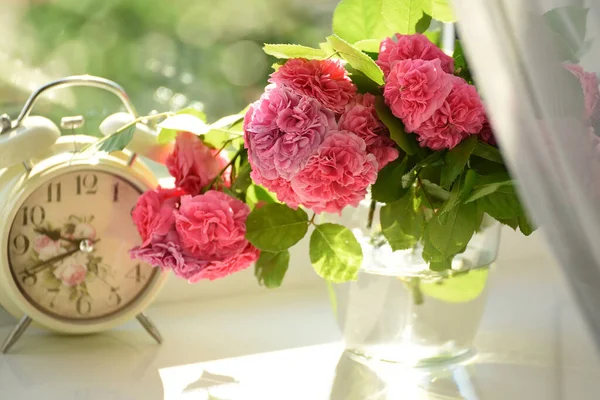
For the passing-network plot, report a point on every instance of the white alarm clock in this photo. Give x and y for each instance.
(65, 223)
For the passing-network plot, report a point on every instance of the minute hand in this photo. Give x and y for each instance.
(34, 269)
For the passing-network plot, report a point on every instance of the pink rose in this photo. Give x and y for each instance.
(411, 47)
(153, 213)
(338, 175)
(46, 248)
(282, 130)
(71, 274)
(461, 114)
(487, 134)
(220, 269)
(212, 226)
(167, 254)
(361, 119)
(281, 187)
(192, 163)
(591, 93)
(324, 80)
(415, 89)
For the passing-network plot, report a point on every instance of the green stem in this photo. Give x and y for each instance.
(312, 220)
(414, 284)
(371, 214)
(222, 171)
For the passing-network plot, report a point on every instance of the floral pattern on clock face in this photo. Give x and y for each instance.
(68, 246)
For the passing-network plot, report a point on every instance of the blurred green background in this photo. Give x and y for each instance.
(168, 55)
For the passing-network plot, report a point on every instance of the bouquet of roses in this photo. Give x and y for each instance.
(396, 120)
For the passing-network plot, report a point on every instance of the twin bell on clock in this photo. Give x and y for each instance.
(65, 226)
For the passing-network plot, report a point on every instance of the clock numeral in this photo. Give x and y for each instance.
(136, 273)
(88, 184)
(115, 192)
(83, 305)
(21, 244)
(54, 291)
(37, 215)
(115, 297)
(54, 190)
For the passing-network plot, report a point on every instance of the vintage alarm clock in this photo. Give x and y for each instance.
(65, 223)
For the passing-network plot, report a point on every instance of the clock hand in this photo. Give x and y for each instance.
(47, 263)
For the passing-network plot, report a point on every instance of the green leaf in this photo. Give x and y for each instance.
(388, 186)
(488, 184)
(570, 24)
(525, 225)
(440, 10)
(356, 20)
(363, 84)
(434, 190)
(276, 227)
(460, 288)
(451, 237)
(437, 262)
(242, 181)
(406, 16)
(357, 59)
(434, 36)
(396, 127)
(256, 193)
(227, 121)
(512, 222)
(456, 159)
(186, 123)
(73, 293)
(193, 111)
(335, 253)
(401, 222)
(368, 45)
(270, 268)
(217, 138)
(460, 63)
(294, 51)
(113, 142)
(502, 204)
(488, 152)
(166, 136)
(433, 159)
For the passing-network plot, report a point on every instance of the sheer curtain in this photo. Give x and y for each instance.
(535, 62)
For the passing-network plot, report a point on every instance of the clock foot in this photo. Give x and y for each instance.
(16, 333)
(149, 327)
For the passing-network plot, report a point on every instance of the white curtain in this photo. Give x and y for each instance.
(519, 53)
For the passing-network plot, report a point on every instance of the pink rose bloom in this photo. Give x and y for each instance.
(282, 130)
(324, 80)
(192, 163)
(411, 47)
(153, 213)
(361, 119)
(338, 175)
(46, 248)
(591, 93)
(71, 274)
(461, 115)
(212, 226)
(167, 254)
(281, 187)
(220, 269)
(487, 134)
(415, 89)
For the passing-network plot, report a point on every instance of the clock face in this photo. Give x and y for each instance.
(68, 247)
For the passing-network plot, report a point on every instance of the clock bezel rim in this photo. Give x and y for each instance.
(137, 174)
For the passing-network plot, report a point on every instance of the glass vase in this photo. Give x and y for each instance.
(402, 312)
